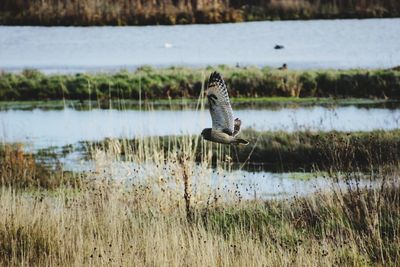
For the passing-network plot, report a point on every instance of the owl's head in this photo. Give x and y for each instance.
(206, 133)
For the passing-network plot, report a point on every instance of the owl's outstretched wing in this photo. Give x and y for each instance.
(220, 106)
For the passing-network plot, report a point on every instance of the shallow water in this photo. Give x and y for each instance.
(226, 184)
(267, 185)
(370, 43)
(42, 128)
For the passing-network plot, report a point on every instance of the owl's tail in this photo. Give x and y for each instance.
(236, 126)
(241, 141)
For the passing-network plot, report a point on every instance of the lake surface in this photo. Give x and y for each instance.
(43, 128)
(370, 43)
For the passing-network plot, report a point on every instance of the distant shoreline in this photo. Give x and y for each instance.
(136, 12)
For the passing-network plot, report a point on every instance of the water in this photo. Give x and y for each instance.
(61, 127)
(234, 183)
(371, 43)
(267, 185)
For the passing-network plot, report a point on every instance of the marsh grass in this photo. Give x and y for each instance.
(272, 151)
(19, 169)
(153, 202)
(107, 223)
(164, 210)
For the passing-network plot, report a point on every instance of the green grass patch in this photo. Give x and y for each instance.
(171, 85)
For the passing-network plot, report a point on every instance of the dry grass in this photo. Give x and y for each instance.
(106, 224)
(142, 220)
(298, 151)
(19, 169)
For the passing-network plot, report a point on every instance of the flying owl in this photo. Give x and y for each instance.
(224, 129)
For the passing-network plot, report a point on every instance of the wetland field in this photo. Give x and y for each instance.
(150, 201)
(102, 162)
(83, 185)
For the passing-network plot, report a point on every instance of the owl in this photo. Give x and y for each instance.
(224, 129)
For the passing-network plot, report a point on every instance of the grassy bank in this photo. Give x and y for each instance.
(338, 151)
(172, 83)
(137, 12)
(268, 151)
(272, 151)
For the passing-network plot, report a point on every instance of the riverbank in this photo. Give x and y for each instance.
(148, 83)
(124, 12)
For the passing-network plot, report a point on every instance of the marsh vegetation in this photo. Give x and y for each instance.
(279, 151)
(108, 169)
(173, 217)
(164, 200)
